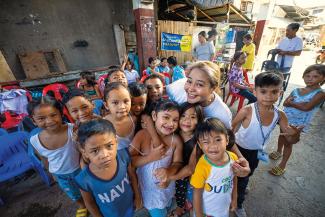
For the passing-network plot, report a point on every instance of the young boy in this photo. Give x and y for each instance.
(253, 125)
(117, 75)
(138, 94)
(108, 182)
(214, 182)
(155, 87)
(249, 49)
(79, 107)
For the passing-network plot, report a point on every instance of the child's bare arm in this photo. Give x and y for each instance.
(239, 118)
(187, 170)
(197, 202)
(305, 106)
(135, 187)
(149, 126)
(240, 166)
(138, 158)
(163, 174)
(98, 94)
(291, 133)
(90, 204)
(233, 204)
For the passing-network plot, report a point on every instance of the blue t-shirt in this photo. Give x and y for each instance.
(163, 69)
(178, 73)
(114, 197)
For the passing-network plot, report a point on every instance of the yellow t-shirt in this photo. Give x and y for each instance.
(250, 52)
(217, 182)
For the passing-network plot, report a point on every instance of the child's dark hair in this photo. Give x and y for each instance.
(319, 68)
(137, 89)
(71, 94)
(165, 105)
(294, 26)
(90, 77)
(45, 100)
(212, 32)
(237, 55)
(198, 110)
(248, 36)
(93, 127)
(172, 60)
(152, 76)
(203, 34)
(214, 125)
(151, 59)
(112, 70)
(162, 59)
(112, 86)
(265, 79)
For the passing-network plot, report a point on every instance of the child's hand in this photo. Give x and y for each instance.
(163, 185)
(241, 167)
(161, 174)
(293, 134)
(288, 101)
(233, 205)
(138, 202)
(157, 152)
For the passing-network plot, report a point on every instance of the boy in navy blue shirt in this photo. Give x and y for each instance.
(108, 182)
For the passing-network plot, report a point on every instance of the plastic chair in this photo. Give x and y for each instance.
(101, 83)
(36, 161)
(235, 97)
(3, 132)
(57, 88)
(14, 159)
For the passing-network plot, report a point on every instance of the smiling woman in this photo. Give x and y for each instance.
(201, 86)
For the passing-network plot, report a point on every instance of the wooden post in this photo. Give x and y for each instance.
(145, 32)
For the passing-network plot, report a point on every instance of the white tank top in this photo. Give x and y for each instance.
(63, 160)
(154, 197)
(124, 142)
(251, 138)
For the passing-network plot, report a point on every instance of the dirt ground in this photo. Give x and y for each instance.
(299, 192)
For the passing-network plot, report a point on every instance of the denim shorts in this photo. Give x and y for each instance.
(68, 184)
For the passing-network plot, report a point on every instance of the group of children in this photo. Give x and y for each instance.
(144, 150)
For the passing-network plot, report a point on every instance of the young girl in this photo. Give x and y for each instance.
(215, 185)
(191, 115)
(106, 182)
(131, 75)
(56, 145)
(300, 108)
(236, 80)
(89, 85)
(118, 102)
(155, 164)
(116, 74)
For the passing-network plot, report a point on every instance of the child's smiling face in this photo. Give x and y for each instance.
(166, 122)
(80, 109)
(47, 117)
(100, 150)
(213, 145)
(188, 120)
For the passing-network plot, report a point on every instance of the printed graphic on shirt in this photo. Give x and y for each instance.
(115, 192)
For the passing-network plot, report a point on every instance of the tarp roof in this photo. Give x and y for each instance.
(212, 11)
(296, 13)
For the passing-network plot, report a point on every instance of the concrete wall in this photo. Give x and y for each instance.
(31, 25)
